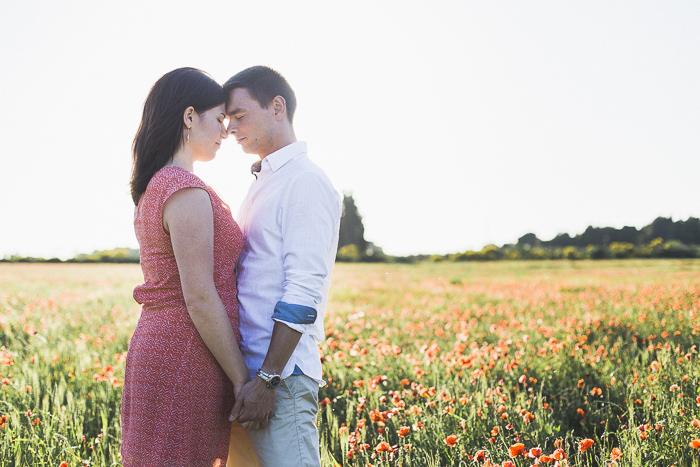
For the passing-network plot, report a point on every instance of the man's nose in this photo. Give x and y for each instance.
(231, 129)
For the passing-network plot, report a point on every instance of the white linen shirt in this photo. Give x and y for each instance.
(290, 220)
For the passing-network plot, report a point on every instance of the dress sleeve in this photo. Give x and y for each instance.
(177, 180)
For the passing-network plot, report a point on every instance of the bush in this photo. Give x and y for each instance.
(512, 253)
(572, 253)
(598, 252)
(536, 253)
(622, 250)
(651, 249)
(676, 249)
(348, 254)
(491, 253)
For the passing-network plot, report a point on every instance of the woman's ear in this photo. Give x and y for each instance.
(188, 117)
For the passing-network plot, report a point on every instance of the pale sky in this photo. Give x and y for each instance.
(453, 123)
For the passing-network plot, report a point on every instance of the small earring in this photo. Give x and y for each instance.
(188, 135)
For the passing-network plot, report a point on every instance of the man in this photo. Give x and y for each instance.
(290, 220)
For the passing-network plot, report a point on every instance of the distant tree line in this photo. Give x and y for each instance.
(685, 232)
(663, 238)
(657, 248)
(117, 255)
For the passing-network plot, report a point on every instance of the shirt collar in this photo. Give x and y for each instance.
(283, 155)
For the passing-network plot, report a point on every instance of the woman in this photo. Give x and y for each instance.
(184, 365)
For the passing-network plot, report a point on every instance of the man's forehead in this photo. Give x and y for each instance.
(232, 108)
(238, 99)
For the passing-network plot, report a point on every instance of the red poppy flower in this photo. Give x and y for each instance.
(585, 444)
(383, 447)
(450, 440)
(516, 449)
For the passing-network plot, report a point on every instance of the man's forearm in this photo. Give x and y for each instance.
(282, 344)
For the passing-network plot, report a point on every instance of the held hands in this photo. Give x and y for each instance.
(237, 390)
(254, 404)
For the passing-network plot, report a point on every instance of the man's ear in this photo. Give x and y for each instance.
(188, 117)
(279, 105)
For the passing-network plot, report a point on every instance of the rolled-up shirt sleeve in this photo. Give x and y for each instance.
(308, 218)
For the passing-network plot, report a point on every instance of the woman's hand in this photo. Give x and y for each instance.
(237, 386)
(255, 405)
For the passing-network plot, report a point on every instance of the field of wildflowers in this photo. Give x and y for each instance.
(475, 364)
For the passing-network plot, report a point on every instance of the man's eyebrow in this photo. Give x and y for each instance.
(235, 111)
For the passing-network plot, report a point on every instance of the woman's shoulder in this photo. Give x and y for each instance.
(173, 174)
(167, 181)
(172, 178)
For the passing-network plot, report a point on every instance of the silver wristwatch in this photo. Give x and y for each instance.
(271, 380)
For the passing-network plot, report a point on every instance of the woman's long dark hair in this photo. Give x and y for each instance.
(160, 133)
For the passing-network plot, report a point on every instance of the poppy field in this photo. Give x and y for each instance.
(477, 364)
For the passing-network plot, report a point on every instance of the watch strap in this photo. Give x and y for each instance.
(272, 380)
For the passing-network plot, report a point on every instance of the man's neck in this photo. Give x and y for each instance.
(283, 141)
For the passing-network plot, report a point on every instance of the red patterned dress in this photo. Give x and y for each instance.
(176, 397)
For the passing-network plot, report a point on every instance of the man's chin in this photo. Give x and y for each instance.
(248, 150)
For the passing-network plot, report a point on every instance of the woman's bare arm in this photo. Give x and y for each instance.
(189, 217)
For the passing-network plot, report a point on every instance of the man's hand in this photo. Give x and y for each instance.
(254, 405)
(256, 402)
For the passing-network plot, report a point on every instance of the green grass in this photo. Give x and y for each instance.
(540, 353)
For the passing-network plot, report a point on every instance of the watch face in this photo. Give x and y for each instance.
(274, 382)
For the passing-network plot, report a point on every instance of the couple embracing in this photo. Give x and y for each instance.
(223, 363)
